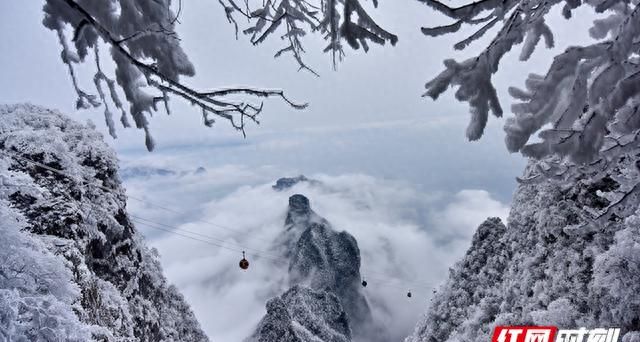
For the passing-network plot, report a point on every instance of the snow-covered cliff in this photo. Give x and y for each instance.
(549, 266)
(302, 314)
(325, 301)
(73, 267)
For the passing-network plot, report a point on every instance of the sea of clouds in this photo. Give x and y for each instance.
(408, 239)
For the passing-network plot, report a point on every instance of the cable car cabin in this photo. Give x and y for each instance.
(364, 283)
(409, 294)
(244, 263)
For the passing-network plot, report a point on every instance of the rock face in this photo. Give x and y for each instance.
(470, 283)
(324, 264)
(101, 282)
(302, 314)
(326, 260)
(547, 267)
(299, 217)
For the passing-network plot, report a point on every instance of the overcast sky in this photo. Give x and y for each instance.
(368, 116)
(367, 120)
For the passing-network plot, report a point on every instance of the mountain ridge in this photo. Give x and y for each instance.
(118, 292)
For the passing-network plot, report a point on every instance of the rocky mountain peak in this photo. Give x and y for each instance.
(299, 215)
(324, 275)
(299, 204)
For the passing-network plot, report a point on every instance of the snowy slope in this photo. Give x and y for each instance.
(74, 266)
(545, 268)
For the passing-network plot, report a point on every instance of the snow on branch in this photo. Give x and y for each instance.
(148, 62)
(336, 20)
(584, 110)
(558, 98)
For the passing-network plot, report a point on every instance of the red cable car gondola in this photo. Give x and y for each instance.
(244, 263)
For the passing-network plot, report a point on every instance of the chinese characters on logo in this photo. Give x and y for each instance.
(553, 334)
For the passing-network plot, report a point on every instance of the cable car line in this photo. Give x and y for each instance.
(404, 280)
(209, 239)
(280, 260)
(159, 206)
(195, 220)
(233, 249)
(185, 234)
(220, 240)
(267, 255)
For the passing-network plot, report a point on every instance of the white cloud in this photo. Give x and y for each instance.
(466, 211)
(400, 232)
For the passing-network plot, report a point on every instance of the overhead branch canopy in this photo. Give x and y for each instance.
(148, 63)
(584, 109)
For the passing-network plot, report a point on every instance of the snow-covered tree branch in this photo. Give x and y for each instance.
(586, 94)
(585, 109)
(148, 63)
(336, 20)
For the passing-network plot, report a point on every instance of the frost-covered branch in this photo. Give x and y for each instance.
(148, 59)
(336, 20)
(557, 98)
(584, 109)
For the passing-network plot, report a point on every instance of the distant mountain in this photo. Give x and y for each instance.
(288, 182)
(324, 275)
(551, 265)
(74, 267)
(133, 172)
(144, 171)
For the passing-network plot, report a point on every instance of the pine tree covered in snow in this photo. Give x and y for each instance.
(73, 265)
